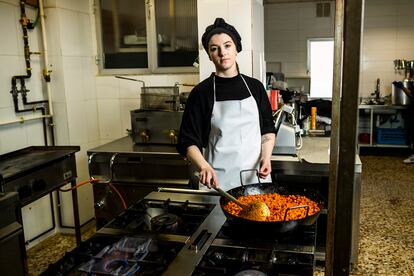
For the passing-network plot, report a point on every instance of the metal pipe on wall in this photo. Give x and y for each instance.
(46, 75)
(46, 70)
(22, 119)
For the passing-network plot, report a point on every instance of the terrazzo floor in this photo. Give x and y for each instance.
(386, 245)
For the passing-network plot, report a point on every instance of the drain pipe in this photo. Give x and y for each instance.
(46, 70)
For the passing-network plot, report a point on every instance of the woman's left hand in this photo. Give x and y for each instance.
(265, 168)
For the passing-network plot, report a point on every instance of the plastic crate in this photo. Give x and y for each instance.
(391, 136)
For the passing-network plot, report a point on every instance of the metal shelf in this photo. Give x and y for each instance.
(372, 111)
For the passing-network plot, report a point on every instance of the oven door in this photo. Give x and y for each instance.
(12, 250)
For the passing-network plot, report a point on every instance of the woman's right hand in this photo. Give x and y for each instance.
(208, 176)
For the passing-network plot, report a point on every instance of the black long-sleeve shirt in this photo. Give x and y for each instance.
(195, 125)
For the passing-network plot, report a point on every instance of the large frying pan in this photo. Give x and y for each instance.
(267, 188)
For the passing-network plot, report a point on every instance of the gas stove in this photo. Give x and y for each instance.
(186, 234)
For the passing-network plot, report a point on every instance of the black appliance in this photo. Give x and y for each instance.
(135, 170)
(12, 248)
(36, 171)
(187, 234)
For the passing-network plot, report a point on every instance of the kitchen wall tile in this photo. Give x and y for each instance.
(240, 16)
(315, 33)
(9, 29)
(206, 66)
(13, 2)
(11, 65)
(405, 32)
(50, 3)
(380, 21)
(291, 24)
(379, 55)
(85, 34)
(284, 56)
(109, 119)
(88, 77)
(61, 124)
(406, 54)
(292, 69)
(72, 70)
(107, 87)
(404, 8)
(34, 133)
(274, 36)
(38, 215)
(283, 11)
(92, 126)
(77, 123)
(74, 5)
(257, 27)
(53, 31)
(315, 23)
(379, 9)
(380, 33)
(57, 84)
(209, 14)
(12, 137)
(129, 89)
(378, 66)
(373, 44)
(70, 38)
(306, 10)
(286, 46)
(244, 59)
(404, 22)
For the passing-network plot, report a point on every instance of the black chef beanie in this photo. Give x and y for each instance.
(220, 26)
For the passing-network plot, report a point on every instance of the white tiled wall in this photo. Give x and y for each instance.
(241, 14)
(387, 35)
(288, 26)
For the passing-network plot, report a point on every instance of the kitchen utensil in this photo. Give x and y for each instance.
(398, 96)
(257, 210)
(268, 188)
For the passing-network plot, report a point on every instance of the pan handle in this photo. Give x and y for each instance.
(249, 170)
(297, 207)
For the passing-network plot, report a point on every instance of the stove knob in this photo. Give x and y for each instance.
(172, 134)
(145, 135)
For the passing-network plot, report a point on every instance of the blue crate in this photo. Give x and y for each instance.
(391, 136)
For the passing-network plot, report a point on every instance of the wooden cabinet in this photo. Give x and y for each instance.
(382, 126)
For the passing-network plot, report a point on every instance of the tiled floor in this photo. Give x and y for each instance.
(386, 231)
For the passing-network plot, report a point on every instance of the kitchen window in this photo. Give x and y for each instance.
(320, 67)
(147, 36)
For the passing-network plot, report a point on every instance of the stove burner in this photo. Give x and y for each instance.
(250, 272)
(164, 222)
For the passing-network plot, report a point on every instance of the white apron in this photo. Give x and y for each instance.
(234, 142)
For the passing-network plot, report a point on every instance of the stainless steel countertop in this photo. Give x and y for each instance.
(315, 150)
(127, 145)
(381, 106)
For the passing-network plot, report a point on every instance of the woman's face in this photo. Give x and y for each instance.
(222, 52)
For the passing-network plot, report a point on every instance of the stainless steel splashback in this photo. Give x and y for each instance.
(155, 126)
